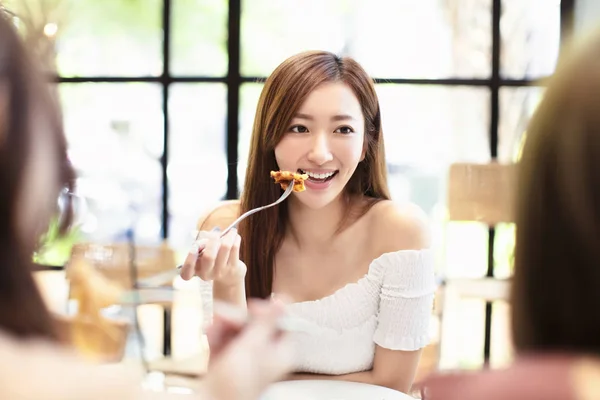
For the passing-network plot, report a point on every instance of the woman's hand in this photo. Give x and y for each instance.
(215, 258)
(246, 358)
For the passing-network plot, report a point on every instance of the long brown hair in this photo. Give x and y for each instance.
(24, 98)
(556, 288)
(283, 94)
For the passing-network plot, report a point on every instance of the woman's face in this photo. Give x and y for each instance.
(325, 140)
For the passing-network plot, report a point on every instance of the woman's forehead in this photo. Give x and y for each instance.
(330, 100)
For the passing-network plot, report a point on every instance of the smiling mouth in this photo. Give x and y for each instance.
(320, 178)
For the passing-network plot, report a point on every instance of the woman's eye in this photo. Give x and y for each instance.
(298, 129)
(344, 130)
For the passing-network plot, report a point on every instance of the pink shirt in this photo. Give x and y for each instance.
(530, 378)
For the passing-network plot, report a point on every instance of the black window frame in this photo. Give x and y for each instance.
(234, 80)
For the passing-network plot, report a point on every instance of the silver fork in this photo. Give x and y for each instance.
(245, 215)
(166, 276)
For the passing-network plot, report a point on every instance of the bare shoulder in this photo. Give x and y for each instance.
(399, 226)
(222, 215)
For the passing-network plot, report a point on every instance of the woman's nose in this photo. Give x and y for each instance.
(320, 151)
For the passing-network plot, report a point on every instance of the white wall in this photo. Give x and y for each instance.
(587, 14)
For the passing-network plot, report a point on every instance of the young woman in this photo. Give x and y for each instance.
(35, 364)
(555, 296)
(355, 265)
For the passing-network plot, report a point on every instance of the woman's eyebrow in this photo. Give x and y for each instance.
(337, 117)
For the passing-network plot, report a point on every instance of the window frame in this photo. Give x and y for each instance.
(234, 79)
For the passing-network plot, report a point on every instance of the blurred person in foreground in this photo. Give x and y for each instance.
(555, 290)
(35, 363)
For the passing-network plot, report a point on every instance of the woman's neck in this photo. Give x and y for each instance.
(314, 228)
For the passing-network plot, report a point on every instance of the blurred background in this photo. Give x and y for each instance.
(159, 99)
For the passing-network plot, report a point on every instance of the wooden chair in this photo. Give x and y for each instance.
(481, 193)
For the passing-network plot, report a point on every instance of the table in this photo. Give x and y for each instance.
(330, 390)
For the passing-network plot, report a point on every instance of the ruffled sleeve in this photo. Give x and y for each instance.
(405, 300)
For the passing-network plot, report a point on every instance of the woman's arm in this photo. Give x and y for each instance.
(391, 368)
(234, 291)
(234, 294)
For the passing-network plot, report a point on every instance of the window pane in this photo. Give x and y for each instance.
(462, 333)
(199, 37)
(454, 36)
(504, 248)
(249, 94)
(197, 167)
(464, 246)
(115, 143)
(517, 105)
(530, 36)
(427, 128)
(97, 38)
(501, 349)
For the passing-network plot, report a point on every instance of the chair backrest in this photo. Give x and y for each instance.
(476, 193)
(481, 192)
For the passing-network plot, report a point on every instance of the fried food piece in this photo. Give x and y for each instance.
(284, 178)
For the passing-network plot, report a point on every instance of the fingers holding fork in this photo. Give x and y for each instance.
(214, 257)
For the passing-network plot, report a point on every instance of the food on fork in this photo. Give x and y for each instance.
(284, 178)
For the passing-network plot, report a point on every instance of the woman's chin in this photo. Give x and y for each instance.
(317, 200)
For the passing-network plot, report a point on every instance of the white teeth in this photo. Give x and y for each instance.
(319, 176)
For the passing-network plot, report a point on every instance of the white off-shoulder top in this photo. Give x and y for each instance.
(390, 306)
